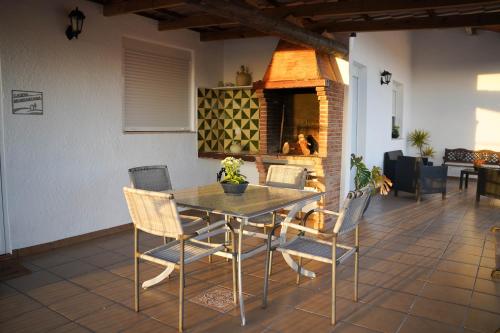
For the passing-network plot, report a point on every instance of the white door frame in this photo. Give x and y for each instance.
(5, 244)
(360, 71)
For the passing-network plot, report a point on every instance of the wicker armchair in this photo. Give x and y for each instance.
(488, 183)
(156, 213)
(329, 252)
(414, 177)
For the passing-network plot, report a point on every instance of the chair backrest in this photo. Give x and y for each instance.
(153, 212)
(407, 169)
(352, 210)
(150, 178)
(287, 176)
(393, 155)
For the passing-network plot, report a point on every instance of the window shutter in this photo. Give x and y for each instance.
(158, 87)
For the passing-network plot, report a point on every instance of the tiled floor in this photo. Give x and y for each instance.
(424, 268)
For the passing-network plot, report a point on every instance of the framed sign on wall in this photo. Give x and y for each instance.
(27, 102)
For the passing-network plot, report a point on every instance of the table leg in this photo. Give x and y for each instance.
(240, 277)
(461, 180)
(466, 180)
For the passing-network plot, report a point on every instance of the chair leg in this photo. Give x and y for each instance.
(209, 240)
(181, 285)
(334, 285)
(299, 267)
(136, 271)
(356, 264)
(271, 254)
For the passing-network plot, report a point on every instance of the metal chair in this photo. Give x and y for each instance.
(284, 176)
(330, 252)
(156, 213)
(156, 178)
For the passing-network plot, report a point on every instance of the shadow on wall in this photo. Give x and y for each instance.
(488, 119)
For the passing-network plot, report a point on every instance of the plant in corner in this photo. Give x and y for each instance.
(428, 151)
(419, 139)
(233, 182)
(374, 178)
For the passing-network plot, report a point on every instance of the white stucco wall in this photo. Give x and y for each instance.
(63, 171)
(456, 90)
(377, 51)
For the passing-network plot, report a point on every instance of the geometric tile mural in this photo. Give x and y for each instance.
(227, 116)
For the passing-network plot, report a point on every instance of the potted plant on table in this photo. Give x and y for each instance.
(366, 177)
(233, 182)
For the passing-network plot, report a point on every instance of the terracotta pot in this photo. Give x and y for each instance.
(243, 79)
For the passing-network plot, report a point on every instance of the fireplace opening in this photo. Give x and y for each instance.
(293, 121)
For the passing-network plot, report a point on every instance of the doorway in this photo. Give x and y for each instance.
(357, 124)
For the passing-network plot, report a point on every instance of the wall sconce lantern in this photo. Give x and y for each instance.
(385, 77)
(76, 18)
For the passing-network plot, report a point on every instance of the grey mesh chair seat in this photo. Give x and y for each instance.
(266, 219)
(170, 252)
(191, 224)
(315, 249)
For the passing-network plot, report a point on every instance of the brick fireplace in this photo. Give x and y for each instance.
(298, 71)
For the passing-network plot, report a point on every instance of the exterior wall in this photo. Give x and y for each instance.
(63, 171)
(456, 90)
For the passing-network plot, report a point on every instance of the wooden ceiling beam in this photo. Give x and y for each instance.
(370, 7)
(230, 34)
(189, 22)
(435, 22)
(134, 6)
(254, 18)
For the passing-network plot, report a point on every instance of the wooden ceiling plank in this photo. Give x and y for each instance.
(196, 21)
(254, 19)
(474, 20)
(134, 6)
(370, 7)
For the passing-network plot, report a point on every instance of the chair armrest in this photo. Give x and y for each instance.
(305, 229)
(318, 210)
(211, 227)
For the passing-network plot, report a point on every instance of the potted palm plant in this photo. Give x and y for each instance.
(233, 182)
(420, 139)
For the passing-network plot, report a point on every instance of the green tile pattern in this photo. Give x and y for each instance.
(221, 113)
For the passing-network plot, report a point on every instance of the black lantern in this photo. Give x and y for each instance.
(76, 18)
(385, 77)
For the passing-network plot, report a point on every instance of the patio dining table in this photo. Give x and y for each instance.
(257, 200)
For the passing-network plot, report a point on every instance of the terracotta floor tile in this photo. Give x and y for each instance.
(150, 326)
(94, 278)
(439, 311)
(447, 294)
(226, 323)
(321, 305)
(419, 325)
(487, 287)
(48, 259)
(452, 280)
(344, 327)
(376, 318)
(15, 305)
(105, 259)
(72, 269)
(40, 320)
(482, 321)
(168, 313)
(55, 292)
(111, 319)
(70, 328)
(300, 321)
(395, 300)
(33, 280)
(457, 268)
(6, 291)
(80, 305)
(485, 302)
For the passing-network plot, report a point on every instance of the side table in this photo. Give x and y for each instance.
(466, 172)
